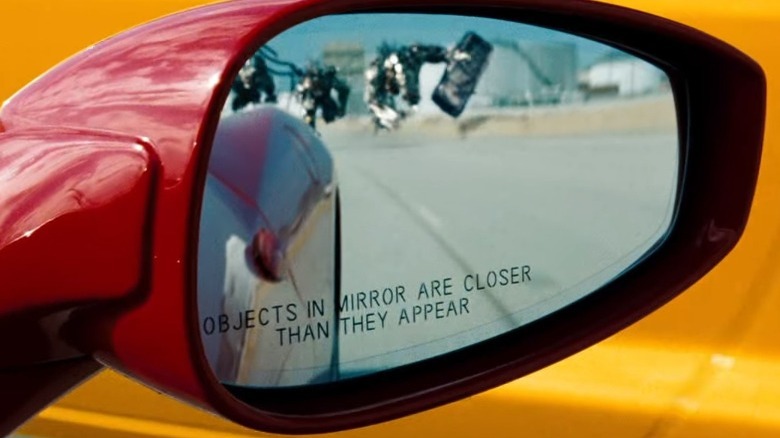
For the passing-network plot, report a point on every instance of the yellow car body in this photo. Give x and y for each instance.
(705, 365)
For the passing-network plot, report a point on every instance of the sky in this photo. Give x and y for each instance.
(305, 41)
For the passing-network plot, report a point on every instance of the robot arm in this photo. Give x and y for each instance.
(433, 54)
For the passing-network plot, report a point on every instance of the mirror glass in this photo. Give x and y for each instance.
(386, 188)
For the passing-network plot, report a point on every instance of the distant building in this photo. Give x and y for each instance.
(350, 60)
(519, 73)
(528, 73)
(620, 74)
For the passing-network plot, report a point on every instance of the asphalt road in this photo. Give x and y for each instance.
(439, 219)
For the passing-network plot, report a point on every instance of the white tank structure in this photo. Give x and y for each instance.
(620, 74)
(351, 62)
(519, 73)
(526, 73)
(430, 75)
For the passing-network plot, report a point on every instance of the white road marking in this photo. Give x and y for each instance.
(429, 217)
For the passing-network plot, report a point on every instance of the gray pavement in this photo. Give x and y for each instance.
(417, 210)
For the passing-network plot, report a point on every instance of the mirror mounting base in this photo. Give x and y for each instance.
(29, 389)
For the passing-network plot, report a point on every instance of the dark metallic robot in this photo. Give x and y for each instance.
(253, 80)
(396, 72)
(316, 89)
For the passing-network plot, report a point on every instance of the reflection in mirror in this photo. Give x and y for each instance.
(489, 173)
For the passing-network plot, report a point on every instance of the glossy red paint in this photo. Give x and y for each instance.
(164, 83)
(74, 210)
(61, 189)
(159, 83)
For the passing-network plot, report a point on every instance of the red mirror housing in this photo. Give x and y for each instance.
(116, 215)
(153, 87)
(62, 184)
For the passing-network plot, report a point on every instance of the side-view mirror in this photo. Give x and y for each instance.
(313, 216)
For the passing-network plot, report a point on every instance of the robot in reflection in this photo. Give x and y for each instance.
(321, 88)
(395, 72)
(252, 83)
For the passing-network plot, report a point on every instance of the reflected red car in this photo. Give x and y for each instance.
(267, 247)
